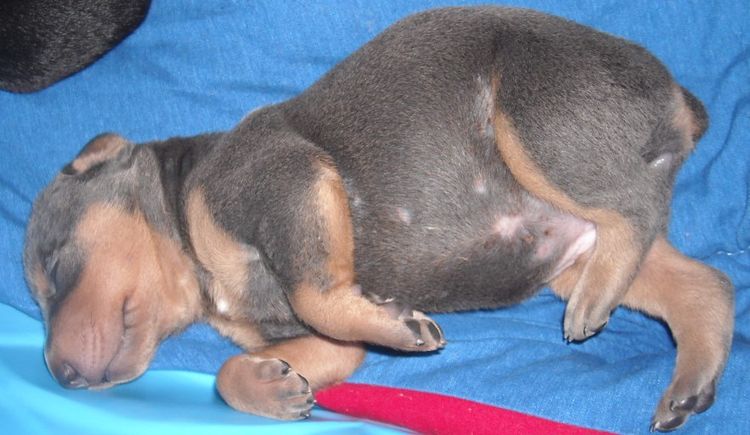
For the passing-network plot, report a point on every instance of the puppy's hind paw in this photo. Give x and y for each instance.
(680, 402)
(418, 332)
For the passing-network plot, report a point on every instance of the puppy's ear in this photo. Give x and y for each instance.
(100, 149)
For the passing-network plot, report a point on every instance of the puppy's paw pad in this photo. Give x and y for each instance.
(426, 334)
(290, 397)
(680, 402)
(684, 398)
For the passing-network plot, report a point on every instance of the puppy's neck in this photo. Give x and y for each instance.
(172, 162)
(176, 158)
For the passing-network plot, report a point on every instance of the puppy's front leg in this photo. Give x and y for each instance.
(278, 381)
(326, 296)
(288, 201)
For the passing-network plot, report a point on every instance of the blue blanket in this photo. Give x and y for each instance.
(200, 65)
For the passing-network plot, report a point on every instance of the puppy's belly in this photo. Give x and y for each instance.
(487, 259)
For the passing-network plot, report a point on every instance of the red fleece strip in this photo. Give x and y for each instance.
(432, 413)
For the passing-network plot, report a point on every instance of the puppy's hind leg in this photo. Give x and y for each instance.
(697, 302)
(279, 380)
(603, 279)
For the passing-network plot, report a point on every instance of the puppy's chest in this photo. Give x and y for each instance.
(239, 288)
(248, 304)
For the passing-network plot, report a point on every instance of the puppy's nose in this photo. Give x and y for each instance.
(70, 378)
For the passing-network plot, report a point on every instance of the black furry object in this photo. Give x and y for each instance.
(44, 41)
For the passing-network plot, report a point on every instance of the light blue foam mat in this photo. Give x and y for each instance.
(200, 65)
(161, 401)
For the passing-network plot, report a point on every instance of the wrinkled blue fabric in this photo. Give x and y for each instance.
(200, 65)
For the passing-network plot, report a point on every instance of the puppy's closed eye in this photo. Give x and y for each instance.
(53, 277)
(62, 270)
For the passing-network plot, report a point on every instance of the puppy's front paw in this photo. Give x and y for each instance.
(267, 387)
(584, 318)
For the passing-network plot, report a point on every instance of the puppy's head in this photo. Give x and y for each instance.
(106, 267)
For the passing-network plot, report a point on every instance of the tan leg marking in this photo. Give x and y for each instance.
(610, 269)
(340, 311)
(697, 303)
(334, 208)
(279, 380)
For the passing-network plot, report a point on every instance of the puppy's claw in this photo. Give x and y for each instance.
(582, 333)
(588, 332)
(669, 425)
(306, 383)
(437, 333)
(581, 314)
(684, 405)
(285, 367)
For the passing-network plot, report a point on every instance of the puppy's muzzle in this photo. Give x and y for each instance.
(97, 345)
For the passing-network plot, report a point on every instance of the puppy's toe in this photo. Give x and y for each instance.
(583, 320)
(267, 387)
(271, 370)
(667, 418)
(428, 335)
(693, 399)
(683, 398)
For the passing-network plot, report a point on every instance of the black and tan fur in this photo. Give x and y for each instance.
(461, 160)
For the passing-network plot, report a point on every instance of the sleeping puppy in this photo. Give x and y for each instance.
(461, 160)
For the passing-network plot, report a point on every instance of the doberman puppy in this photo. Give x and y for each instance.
(460, 160)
